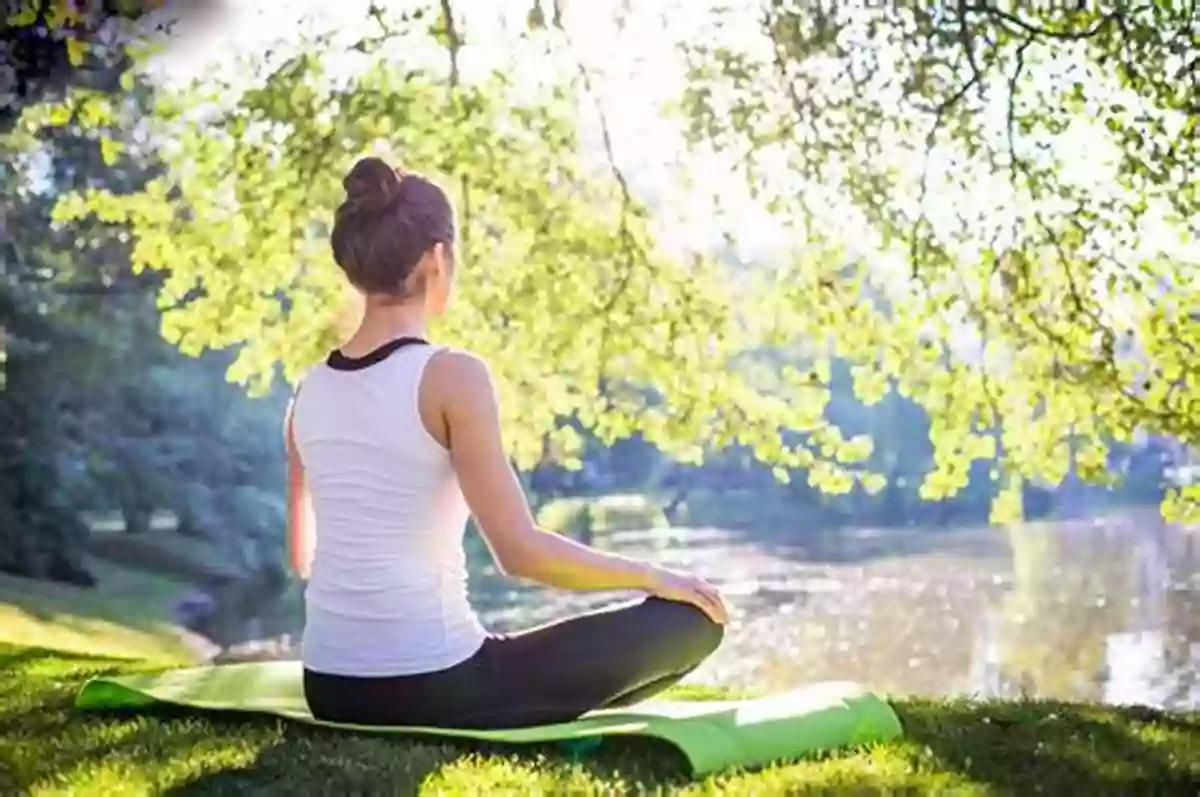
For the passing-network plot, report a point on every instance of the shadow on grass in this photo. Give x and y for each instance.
(1060, 748)
(322, 762)
(89, 743)
(43, 741)
(17, 660)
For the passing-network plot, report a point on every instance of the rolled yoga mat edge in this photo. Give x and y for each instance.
(712, 735)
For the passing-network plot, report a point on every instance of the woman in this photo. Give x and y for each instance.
(395, 440)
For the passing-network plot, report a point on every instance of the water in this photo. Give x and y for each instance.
(1091, 610)
(1101, 610)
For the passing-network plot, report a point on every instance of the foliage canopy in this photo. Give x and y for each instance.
(577, 310)
(1026, 188)
(956, 246)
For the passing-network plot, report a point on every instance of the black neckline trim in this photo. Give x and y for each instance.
(340, 362)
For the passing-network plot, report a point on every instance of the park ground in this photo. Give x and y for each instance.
(52, 638)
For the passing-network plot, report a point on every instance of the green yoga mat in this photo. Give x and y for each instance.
(711, 735)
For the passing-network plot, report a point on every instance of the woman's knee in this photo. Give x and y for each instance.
(687, 629)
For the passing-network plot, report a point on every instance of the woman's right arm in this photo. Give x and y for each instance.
(494, 494)
(299, 516)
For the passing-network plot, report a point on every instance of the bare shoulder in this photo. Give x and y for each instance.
(459, 368)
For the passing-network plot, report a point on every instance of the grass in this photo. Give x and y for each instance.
(950, 747)
(126, 614)
(954, 747)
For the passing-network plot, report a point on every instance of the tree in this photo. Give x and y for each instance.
(48, 283)
(1021, 318)
(1029, 182)
(45, 48)
(566, 289)
(48, 47)
(96, 410)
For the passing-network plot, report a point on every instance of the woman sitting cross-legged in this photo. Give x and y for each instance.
(395, 440)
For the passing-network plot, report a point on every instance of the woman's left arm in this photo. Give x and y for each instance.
(299, 517)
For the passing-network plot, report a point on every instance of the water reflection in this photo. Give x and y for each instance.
(1101, 610)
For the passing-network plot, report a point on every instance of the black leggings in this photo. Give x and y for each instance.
(552, 673)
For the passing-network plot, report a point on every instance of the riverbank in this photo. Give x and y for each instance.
(950, 746)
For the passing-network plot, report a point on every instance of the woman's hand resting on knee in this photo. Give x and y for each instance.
(684, 588)
(458, 406)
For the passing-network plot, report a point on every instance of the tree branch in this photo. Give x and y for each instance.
(630, 245)
(1035, 30)
(1011, 111)
(779, 61)
(453, 47)
(453, 40)
(977, 75)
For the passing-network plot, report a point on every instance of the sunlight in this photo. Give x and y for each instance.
(637, 91)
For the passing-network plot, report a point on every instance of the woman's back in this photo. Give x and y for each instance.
(392, 447)
(387, 593)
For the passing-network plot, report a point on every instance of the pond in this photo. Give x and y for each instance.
(1103, 610)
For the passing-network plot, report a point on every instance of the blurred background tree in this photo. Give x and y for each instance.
(99, 412)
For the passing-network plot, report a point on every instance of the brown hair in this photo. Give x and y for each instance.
(386, 224)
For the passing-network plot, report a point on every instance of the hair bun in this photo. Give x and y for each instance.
(372, 182)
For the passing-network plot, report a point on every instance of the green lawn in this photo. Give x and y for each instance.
(126, 614)
(950, 747)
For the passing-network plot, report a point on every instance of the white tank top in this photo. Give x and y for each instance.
(387, 594)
